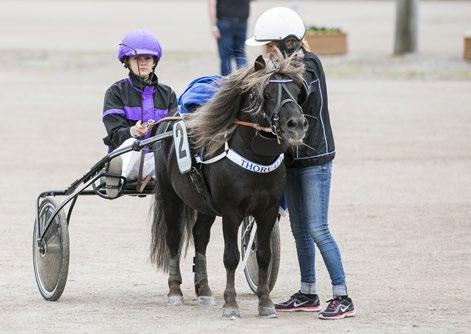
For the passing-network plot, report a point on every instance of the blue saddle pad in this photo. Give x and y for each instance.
(198, 92)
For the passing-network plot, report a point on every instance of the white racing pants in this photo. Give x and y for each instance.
(131, 161)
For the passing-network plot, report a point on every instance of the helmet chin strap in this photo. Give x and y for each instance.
(138, 74)
(272, 63)
(286, 52)
(126, 64)
(282, 45)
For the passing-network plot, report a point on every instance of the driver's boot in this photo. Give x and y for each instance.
(112, 183)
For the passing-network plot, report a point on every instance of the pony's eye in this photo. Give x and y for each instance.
(267, 96)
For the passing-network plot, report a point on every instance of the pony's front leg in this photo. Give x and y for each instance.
(265, 225)
(201, 234)
(230, 227)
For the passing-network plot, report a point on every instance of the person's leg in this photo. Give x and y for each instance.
(316, 183)
(225, 45)
(149, 165)
(306, 299)
(240, 35)
(119, 166)
(311, 200)
(316, 186)
(304, 243)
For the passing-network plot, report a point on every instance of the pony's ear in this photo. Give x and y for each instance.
(259, 63)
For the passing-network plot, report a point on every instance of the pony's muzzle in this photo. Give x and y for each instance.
(296, 128)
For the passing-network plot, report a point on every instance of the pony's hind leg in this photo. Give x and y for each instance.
(167, 231)
(174, 238)
(201, 234)
(175, 295)
(230, 226)
(265, 225)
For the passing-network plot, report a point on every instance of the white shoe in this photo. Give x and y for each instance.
(112, 183)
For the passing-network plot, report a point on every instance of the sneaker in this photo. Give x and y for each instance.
(338, 308)
(112, 183)
(300, 302)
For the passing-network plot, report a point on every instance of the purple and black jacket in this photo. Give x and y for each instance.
(126, 102)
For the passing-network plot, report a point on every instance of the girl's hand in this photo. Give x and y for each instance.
(139, 129)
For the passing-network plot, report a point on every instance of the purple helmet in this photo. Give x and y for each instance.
(139, 42)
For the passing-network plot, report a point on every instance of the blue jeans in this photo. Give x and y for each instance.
(231, 44)
(307, 193)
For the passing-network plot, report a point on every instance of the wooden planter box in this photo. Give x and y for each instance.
(467, 46)
(327, 43)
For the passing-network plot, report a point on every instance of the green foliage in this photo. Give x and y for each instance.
(320, 29)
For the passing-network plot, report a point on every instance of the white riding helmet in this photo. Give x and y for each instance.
(275, 25)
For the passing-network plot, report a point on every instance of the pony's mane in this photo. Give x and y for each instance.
(210, 125)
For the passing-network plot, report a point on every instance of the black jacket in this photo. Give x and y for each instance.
(319, 134)
(238, 9)
(128, 101)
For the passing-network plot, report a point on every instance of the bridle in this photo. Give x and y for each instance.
(274, 119)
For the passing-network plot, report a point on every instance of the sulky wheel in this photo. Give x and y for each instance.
(251, 268)
(51, 257)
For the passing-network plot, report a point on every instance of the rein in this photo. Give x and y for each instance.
(238, 122)
(274, 129)
(152, 123)
(254, 125)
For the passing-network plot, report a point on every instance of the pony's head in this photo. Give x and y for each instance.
(273, 102)
(264, 95)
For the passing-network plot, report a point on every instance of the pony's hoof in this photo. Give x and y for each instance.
(206, 300)
(175, 300)
(231, 313)
(267, 312)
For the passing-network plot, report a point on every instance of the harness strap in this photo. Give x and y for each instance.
(242, 161)
(141, 169)
(253, 166)
(218, 157)
(199, 181)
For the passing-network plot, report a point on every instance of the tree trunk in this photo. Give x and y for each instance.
(407, 26)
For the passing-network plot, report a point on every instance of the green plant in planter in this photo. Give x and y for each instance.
(321, 29)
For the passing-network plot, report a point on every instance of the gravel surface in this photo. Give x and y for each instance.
(400, 205)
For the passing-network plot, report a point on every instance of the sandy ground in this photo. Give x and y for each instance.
(401, 189)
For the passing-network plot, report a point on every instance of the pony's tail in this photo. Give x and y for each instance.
(159, 249)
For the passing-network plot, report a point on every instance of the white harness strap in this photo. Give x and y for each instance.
(242, 162)
(213, 159)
